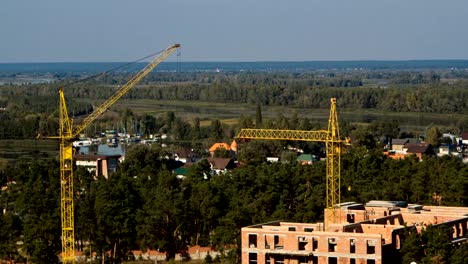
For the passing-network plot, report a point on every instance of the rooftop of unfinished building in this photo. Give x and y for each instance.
(374, 216)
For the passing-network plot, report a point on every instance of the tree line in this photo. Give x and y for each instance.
(145, 206)
(307, 90)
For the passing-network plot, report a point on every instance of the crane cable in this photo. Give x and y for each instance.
(113, 69)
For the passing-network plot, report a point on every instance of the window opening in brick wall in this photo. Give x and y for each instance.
(291, 228)
(352, 246)
(332, 244)
(302, 243)
(371, 261)
(314, 243)
(303, 260)
(277, 243)
(314, 260)
(267, 259)
(352, 261)
(267, 246)
(370, 247)
(252, 241)
(350, 218)
(308, 229)
(279, 259)
(252, 258)
(332, 260)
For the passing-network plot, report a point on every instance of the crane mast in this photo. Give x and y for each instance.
(334, 147)
(66, 135)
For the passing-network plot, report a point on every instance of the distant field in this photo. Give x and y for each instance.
(14, 150)
(230, 113)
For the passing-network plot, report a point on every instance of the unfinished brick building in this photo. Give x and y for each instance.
(364, 234)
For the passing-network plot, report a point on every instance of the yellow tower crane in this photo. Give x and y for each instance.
(334, 147)
(68, 133)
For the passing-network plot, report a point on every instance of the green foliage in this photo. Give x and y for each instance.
(216, 130)
(411, 250)
(432, 245)
(375, 176)
(38, 206)
(10, 231)
(460, 254)
(221, 153)
(433, 136)
(145, 206)
(258, 116)
(32, 108)
(208, 259)
(436, 241)
(116, 205)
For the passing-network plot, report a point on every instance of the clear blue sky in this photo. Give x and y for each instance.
(233, 30)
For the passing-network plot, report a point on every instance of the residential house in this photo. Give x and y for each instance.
(221, 165)
(306, 159)
(464, 138)
(398, 144)
(418, 149)
(186, 155)
(216, 146)
(103, 165)
(447, 149)
(232, 149)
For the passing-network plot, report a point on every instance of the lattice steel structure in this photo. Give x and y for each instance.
(334, 147)
(66, 136)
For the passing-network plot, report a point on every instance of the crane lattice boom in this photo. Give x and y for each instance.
(334, 147)
(66, 135)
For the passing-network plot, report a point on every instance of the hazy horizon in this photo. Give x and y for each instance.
(233, 31)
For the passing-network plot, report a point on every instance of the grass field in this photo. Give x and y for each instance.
(230, 113)
(15, 150)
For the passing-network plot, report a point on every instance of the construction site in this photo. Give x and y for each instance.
(363, 234)
(370, 233)
(351, 232)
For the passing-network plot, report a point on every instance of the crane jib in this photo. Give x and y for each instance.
(67, 132)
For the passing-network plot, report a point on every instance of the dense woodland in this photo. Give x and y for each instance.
(144, 206)
(32, 109)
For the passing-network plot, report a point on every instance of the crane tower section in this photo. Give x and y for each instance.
(334, 147)
(67, 134)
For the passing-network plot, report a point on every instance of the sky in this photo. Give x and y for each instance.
(233, 30)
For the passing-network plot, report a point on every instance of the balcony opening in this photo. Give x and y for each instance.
(302, 243)
(303, 260)
(267, 259)
(350, 218)
(277, 242)
(252, 258)
(352, 246)
(267, 246)
(370, 247)
(314, 243)
(331, 245)
(279, 259)
(314, 260)
(252, 241)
